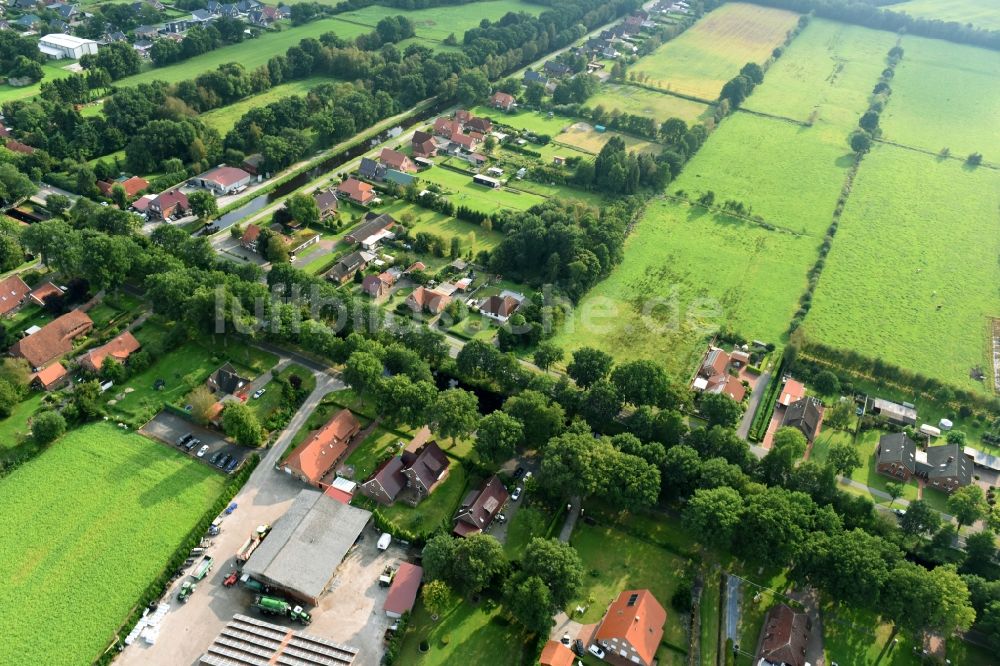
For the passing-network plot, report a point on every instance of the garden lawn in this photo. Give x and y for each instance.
(849, 639)
(711, 52)
(434, 512)
(273, 398)
(825, 75)
(536, 122)
(584, 137)
(868, 475)
(614, 561)
(461, 191)
(79, 555)
(472, 236)
(52, 69)
(529, 522)
(687, 272)
(29, 315)
(945, 95)
(473, 634)
(644, 102)
(378, 446)
(981, 14)
(223, 119)
(710, 618)
(251, 53)
(912, 274)
(15, 427)
(789, 175)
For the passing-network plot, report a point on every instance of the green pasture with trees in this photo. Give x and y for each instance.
(978, 13)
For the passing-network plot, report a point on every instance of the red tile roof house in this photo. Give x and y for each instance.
(784, 637)
(357, 191)
(447, 127)
(465, 141)
(50, 377)
(463, 116)
(43, 292)
(53, 340)
(118, 348)
(403, 591)
(423, 145)
(13, 291)
(249, 238)
(479, 125)
(132, 186)
(499, 308)
(480, 507)
(377, 286)
(631, 629)
(323, 449)
(421, 299)
(501, 100)
(223, 180)
(792, 391)
(168, 205)
(397, 160)
(556, 654)
(713, 376)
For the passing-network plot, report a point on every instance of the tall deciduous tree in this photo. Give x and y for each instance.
(843, 458)
(240, 423)
(557, 564)
(967, 504)
(714, 515)
(456, 412)
(498, 437)
(589, 366)
(719, 409)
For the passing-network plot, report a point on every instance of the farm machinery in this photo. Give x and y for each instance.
(187, 588)
(273, 606)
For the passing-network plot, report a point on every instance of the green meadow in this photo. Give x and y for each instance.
(54, 69)
(224, 118)
(945, 95)
(710, 53)
(912, 276)
(825, 75)
(980, 13)
(436, 23)
(645, 102)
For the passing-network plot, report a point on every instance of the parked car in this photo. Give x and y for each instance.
(259, 392)
(597, 651)
(183, 439)
(223, 461)
(518, 473)
(193, 442)
(527, 476)
(230, 508)
(202, 451)
(565, 639)
(516, 495)
(578, 648)
(501, 518)
(899, 512)
(231, 465)
(216, 458)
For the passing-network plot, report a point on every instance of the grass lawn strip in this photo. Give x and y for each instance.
(645, 102)
(79, 555)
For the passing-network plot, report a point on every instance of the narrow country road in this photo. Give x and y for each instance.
(755, 398)
(571, 518)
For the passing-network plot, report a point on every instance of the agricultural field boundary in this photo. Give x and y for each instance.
(719, 210)
(984, 164)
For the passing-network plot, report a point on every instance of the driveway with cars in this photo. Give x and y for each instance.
(169, 428)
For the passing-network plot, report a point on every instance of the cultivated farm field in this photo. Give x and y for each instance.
(585, 138)
(645, 102)
(711, 52)
(980, 13)
(86, 526)
(946, 95)
(912, 276)
(825, 75)
(790, 175)
(686, 273)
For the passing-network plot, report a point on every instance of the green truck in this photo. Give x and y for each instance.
(273, 606)
(203, 568)
(186, 589)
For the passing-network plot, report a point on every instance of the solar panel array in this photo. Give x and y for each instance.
(246, 641)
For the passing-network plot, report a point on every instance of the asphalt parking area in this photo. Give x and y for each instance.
(169, 428)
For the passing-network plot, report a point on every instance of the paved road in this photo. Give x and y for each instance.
(733, 593)
(574, 514)
(755, 398)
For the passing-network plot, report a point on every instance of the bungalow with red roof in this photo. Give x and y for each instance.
(397, 160)
(13, 291)
(53, 340)
(632, 628)
(500, 307)
(403, 590)
(480, 507)
(556, 654)
(357, 191)
(249, 238)
(323, 449)
(503, 101)
(118, 348)
(223, 180)
(132, 186)
(43, 292)
(422, 298)
(166, 205)
(50, 377)
(423, 145)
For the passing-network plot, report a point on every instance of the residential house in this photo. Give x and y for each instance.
(65, 12)
(792, 391)
(805, 415)
(13, 291)
(372, 224)
(132, 186)
(535, 77)
(432, 301)
(399, 178)
(143, 47)
(423, 145)
(114, 37)
(146, 32)
(412, 476)
(447, 127)
(371, 169)
(323, 449)
(345, 269)
(555, 68)
(502, 101)
(253, 164)
(465, 141)
(230, 10)
(896, 456)
(394, 159)
(249, 238)
(501, 307)
(326, 201)
(201, 16)
(27, 22)
(51, 377)
(477, 125)
(631, 629)
(118, 348)
(264, 16)
(52, 340)
(43, 292)
(357, 191)
(378, 286)
(556, 654)
(170, 204)
(226, 380)
(480, 507)
(714, 377)
(223, 180)
(25, 4)
(784, 638)
(944, 467)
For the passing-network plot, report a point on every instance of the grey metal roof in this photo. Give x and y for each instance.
(307, 544)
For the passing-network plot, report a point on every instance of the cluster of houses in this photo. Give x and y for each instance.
(460, 135)
(374, 228)
(67, 16)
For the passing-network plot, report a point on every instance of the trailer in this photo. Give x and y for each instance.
(388, 573)
(250, 545)
(252, 584)
(275, 606)
(203, 568)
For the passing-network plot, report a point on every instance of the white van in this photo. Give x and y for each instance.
(384, 541)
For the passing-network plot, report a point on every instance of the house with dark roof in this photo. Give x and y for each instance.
(394, 159)
(632, 628)
(357, 191)
(896, 456)
(253, 164)
(805, 415)
(945, 467)
(411, 476)
(480, 507)
(118, 349)
(386, 482)
(326, 201)
(345, 269)
(480, 126)
(373, 223)
(201, 16)
(535, 77)
(784, 638)
(555, 68)
(166, 205)
(502, 101)
(423, 145)
(52, 340)
(371, 169)
(146, 32)
(13, 291)
(323, 449)
(377, 286)
(226, 380)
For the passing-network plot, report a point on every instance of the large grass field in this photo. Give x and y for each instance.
(460, 189)
(224, 118)
(702, 59)
(464, 634)
(585, 138)
(788, 174)
(912, 275)
(645, 102)
(54, 69)
(471, 235)
(980, 13)
(686, 273)
(825, 75)
(86, 526)
(945, 95)
(530, 121)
